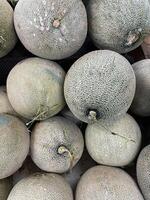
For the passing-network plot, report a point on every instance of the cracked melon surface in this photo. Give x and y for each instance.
(115, 145)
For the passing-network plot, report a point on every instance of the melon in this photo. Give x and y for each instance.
(51, 29)
(100, 86)
(35, 88)
(42, 186)
(118, 25)
(141, 102)
(101, 182)
(143, 171)
(114, 145)
(14, 144)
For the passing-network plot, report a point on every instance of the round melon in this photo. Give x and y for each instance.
(8, 37)
(41, 186)
(5, 188)
(114, 145)
(118, 25)
(100, 86)
(143, 171)
(56, 145)
(51, 29)
(35, 88)
(14, 144)
(141, 101)
(108, 183)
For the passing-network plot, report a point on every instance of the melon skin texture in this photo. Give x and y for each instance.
(100, 86)
(141, 101)
(143, 171)
(14, 144)
(8, 36)
(42, 186)
(51, 29)
(5, 106)
(56, 145)
(5, 188)
(107, 183)
(115, 145)
(35, 88)
(118, 25)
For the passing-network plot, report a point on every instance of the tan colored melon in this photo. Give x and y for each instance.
(35, 88)
(56, 145)
(42, 186)
(5, 106)
(114, 145)
(51, 29)
(109, 183)
(14, 144)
